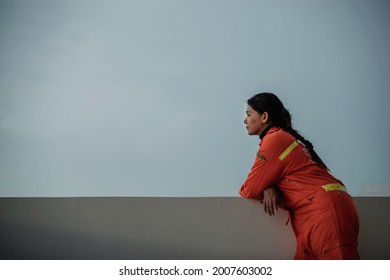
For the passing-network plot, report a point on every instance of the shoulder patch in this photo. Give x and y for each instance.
(260, 156)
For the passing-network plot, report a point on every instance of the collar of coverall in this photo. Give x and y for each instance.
(264, 132)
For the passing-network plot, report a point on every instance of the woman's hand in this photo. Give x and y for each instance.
(271, 200)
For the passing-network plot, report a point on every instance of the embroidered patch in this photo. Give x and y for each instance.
(261, 156)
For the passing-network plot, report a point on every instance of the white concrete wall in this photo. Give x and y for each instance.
(164, 228)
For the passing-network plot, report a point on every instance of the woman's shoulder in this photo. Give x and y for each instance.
(279, 134)
(277, 139)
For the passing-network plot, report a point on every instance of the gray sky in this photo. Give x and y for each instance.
(147, 98)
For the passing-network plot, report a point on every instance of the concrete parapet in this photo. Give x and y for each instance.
(165, 228)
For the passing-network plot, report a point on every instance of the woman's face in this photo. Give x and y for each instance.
(255, 122)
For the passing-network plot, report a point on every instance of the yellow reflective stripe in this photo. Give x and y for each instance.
(334, 187)
(288, 150)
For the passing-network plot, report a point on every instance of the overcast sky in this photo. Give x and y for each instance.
(147, 98)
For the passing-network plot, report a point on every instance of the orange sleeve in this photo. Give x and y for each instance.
(266, 171)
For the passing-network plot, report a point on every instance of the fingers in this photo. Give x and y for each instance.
(270, 201)
(270, 207)
(266, 207)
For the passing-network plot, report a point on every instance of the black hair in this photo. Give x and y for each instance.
(281, 117)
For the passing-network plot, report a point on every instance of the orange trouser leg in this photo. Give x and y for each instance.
(327, 227)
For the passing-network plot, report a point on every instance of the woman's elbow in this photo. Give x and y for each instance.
(249, 194)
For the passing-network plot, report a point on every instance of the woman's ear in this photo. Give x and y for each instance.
(265, 117)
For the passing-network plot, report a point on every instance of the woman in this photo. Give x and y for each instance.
(287, 172)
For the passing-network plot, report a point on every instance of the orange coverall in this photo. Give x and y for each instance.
(323, 215)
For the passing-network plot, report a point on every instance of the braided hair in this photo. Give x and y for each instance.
(281, 117)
